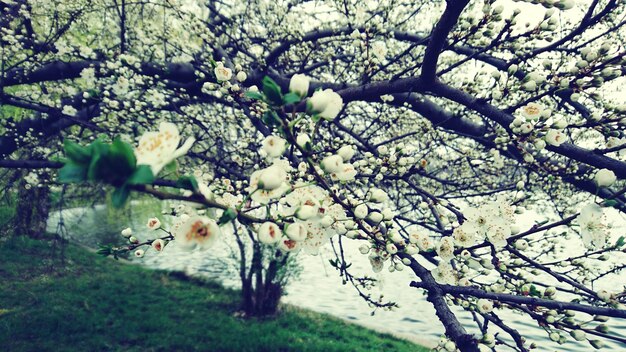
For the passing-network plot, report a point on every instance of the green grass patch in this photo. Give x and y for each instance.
(90, 303)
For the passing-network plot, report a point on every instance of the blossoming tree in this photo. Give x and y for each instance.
(466, 141)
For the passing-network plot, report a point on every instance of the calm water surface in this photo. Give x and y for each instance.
(318, 287)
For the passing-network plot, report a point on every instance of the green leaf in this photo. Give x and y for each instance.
(76, 152)
(98, 149)
(119, 196)
(104, 250)
(170, 169)
(124, 152)
(272, 91)
(270, 118)
(291, 98)
(620, 242)
(111, 163)
(254, 95)
(316, 118)
(609, 203)
(228, 215)
(534, 292)
(72, 172)
(142, 176)
(187, 182)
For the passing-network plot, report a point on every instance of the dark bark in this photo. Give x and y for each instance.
(32, 209)
(260, 299)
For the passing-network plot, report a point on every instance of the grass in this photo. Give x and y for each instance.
(92, 303)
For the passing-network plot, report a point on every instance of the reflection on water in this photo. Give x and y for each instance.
(317, 288)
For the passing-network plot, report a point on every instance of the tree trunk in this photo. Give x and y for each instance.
(31, 213)
(261, 298)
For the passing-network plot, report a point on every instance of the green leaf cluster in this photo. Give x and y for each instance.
(111, 163)
(272, 94)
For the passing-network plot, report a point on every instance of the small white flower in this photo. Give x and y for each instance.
(605, 178)
(139, 253)
(578, 335)
(241, 76)
(484, 306)
(274, 146)
(288, 245)
(296, 231)
(377, 262)
(158, 244)
(592, 229)
(498, 232)
(526, 128)
(69, 110)
(375, 216)
(532, 111)
(465, 235)
(521, 244)
(196, 231)
(379, 49)
(604, 295)
(423, 242)
(153, 223)
(222, 73)
(272, 178)
(269, 183)
(445, 249)
(377, 195)
(346, 152)
(299, 84)
(326, 103)
(326, 221)
(555, 137)
(269, 233)
(411, 250)
(346, 173)
(303, 139)
(306, 212)
(332, 163)
(361, 211)
(158, 149)
(444, 274)
(127, 232)
(391, 248)
(388, 214)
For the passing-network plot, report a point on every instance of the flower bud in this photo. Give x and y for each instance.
(127, 232)
(299, 84)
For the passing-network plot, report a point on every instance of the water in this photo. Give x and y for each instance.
(318, 287)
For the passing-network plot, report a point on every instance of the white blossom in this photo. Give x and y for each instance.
(605, 178)
(326, 103)
(299, 84)
(296, 231)
(127, 232)
(269, 233)
(196, 232)
(153, 223)
(157, 149)
(274, 146)
(346, 152)
(158, 244)
(222, 73)
(555, 137)
(332, 163)
(592, 229)
(484, 305)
